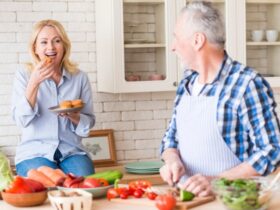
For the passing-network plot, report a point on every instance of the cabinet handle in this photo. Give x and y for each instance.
(175, 84)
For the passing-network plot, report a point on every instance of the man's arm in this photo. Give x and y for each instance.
(243, 170)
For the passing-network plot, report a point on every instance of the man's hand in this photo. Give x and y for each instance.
(173, 169)
(198, 184)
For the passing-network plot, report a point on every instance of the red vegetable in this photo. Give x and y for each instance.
(35, 185)
(138, 193)
(151, 195)
(112, 193)
(139, 184)
(165, 202)
(19, 186)
(90, 183)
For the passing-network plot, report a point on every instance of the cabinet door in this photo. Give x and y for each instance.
(262, 47)
(134, 45)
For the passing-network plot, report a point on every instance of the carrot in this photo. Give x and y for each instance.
(40, 177)
(55, 176)
(59, 171)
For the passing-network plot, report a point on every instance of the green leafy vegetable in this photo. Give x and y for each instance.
(6, 176)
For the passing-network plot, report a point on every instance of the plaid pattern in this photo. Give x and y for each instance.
(246, 114)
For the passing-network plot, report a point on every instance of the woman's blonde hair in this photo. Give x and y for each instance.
(65, 62)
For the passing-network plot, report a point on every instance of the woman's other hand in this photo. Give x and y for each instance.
(74, 117)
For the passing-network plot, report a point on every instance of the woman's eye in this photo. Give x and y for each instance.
(43, 42)
(57, 41)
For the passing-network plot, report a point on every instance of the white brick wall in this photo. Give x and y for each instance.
(139, 120)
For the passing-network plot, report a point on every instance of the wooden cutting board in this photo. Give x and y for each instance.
(179, 205)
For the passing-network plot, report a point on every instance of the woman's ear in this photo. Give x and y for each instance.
(199, 40)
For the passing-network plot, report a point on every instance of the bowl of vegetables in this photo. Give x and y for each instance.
(243, 194)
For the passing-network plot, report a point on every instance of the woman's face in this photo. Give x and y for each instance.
(49, 43)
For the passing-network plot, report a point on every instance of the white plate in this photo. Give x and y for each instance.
(57, 109)
(96, 191)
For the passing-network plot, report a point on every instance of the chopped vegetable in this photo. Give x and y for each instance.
(239, 194)
(186, 195)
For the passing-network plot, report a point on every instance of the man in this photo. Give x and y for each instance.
(224, 122)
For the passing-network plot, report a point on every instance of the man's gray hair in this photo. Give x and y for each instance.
(203, 17)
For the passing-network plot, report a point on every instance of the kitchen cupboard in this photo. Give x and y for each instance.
(263, 55)
(134, 38)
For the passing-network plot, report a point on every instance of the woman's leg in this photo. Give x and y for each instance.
(79, 165)
(23, 167)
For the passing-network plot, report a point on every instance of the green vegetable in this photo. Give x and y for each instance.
(186, 195)
(109, 175)
(6, 176)
(239, 194)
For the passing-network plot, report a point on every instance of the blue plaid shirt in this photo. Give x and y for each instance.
(246, 115)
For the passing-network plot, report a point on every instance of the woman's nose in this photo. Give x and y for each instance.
(50, 45)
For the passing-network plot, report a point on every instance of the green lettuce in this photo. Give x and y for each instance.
(6, 175)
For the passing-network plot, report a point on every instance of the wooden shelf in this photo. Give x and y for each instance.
(153, 45)
(144, 1)
(263, 43)
(263, 1)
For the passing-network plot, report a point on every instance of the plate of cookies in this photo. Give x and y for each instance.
(68, 106)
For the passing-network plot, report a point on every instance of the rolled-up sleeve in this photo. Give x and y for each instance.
(22, 112)
(87, 118)
(258, 108)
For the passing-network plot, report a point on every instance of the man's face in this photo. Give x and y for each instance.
(182, 44)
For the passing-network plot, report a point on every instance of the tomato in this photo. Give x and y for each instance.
(151, 195)
(19, 186)
(165, 202)
(139, 184)
(90, 183)
(138, 193)
(112, 193)
(35, 185)
(72, 181)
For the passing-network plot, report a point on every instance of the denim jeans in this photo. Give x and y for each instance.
(79, 165)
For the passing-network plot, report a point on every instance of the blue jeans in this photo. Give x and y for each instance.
(79, 165)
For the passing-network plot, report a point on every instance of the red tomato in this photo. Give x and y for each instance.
(165, 202)
(19, 186)
(151, 195)
(90, 183)
(138, 193)
(139, 184)
(112, 193)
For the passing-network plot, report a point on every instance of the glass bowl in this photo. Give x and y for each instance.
(243, 194)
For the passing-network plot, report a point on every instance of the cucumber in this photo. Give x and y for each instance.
(186, 195)
(109, 175)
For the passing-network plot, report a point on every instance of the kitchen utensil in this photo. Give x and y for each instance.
(57, 109)
(179, 204)
(25, 199)
(144, 165)
(271, 35)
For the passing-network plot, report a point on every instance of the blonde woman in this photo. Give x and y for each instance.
(47, 138)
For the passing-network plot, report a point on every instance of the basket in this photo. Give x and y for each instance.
(82, 202)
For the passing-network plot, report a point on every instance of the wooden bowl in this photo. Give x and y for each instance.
(25, 199)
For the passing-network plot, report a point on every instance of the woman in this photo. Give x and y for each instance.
(47, 138)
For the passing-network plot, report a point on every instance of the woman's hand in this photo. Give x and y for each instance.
(198, 184)
(42, 71)
(74, 117)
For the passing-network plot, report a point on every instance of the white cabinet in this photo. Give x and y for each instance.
(133, 42)
(263, 55)
(134, 37)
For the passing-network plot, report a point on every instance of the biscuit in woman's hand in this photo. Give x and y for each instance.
(65, 104)
(77, 103)
(48, 60)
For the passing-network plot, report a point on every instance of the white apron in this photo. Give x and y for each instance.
(202, 148)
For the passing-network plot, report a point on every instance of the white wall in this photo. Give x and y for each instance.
(139, 120)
